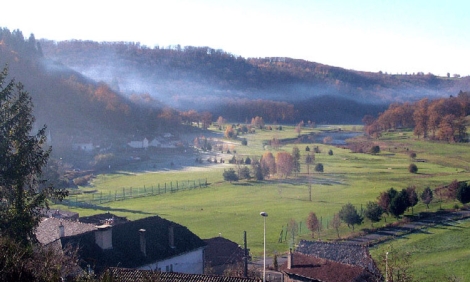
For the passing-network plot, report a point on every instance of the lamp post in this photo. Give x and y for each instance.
(264, 215)
(386, 267)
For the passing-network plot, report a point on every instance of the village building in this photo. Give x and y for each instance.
(151, 243)
(222, 254)
(324, 261)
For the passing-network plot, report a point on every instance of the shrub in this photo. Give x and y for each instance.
(412, 168)
(374, 150)
(330, 152)
(244, 142)
(230, 175)
(319, 167)
(463, 193)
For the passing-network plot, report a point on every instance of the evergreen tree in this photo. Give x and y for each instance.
(350, 216)
(373, 212)
(22, 158)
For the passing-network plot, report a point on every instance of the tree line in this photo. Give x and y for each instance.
(439, 119)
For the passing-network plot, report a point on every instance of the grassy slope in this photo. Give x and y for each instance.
(230, 209)
(439, 254)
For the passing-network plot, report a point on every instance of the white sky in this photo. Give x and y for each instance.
(391, 36)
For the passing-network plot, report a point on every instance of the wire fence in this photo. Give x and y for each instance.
(97, 198)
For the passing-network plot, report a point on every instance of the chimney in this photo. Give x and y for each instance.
(143, 247)
(104, 237)
(61, 230)
(290, 259)
(171, 236)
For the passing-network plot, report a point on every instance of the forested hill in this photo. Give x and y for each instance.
(70, 104)
(202, 78)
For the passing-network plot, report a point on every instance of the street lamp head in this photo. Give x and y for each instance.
(263, 214)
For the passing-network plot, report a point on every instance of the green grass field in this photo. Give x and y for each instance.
(440, 253)
(229, 209)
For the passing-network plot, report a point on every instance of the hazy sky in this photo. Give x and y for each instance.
(391, 36)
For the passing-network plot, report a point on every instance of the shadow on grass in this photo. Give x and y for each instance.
(108, 209)
(242, 184)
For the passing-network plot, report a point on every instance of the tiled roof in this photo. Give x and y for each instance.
(339, 252)
(318, 269)
(126, 244)
(48, 229)
(102, 218)
(61, 214)
(134, 275)
(220, 251)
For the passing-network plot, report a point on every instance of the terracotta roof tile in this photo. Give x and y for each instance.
(318, 269)
(128, 275)
(340, 252)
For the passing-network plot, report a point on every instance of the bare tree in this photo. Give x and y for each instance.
(312, 223)
(336, 223)
(293, 229)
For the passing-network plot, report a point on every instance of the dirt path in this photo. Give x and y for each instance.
(417, 225)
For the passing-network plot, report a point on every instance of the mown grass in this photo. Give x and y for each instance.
(440, 253)
(230, 209)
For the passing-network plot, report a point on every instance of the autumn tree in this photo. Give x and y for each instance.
(221, 122)
(230, 133)
(350, 216)
(420, 117)
(257, 122)
(206, 119)
(312, 223)
(189, 117)
(284, 164)
(426, 196)
(446, 128)
(268, 164)
(384, 199)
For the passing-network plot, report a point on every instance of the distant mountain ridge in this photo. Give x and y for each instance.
(83, 88)
(269, 78)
